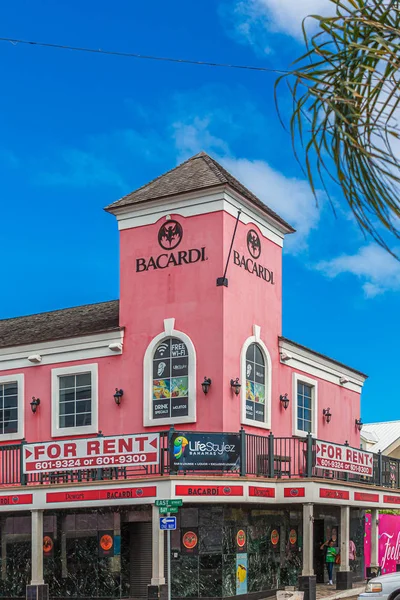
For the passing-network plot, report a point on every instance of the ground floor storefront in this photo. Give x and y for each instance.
(231, 540)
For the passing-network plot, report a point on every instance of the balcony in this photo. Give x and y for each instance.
(267, 457)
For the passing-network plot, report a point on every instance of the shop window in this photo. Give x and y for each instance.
(11, 407)
(170, 378)
(256, 382)
(305, 405)
(74, 400)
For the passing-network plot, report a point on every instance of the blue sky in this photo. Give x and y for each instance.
(77, 131)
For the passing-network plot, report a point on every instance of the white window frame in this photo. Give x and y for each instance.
(256, 339)
(19, 380)
(169, 331)
(300, 378)
(57, 431)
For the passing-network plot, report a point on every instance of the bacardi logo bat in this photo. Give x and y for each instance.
(170, 235)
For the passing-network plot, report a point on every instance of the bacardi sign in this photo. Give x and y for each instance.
(250, 264)
(343, 458)
(170, 236)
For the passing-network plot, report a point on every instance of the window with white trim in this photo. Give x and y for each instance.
(255, 376)
(304, 405)
(169, 378)
(11, 407)
(74, 396)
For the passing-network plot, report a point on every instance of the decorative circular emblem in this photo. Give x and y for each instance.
(189, 540)
(274, 537)
(294, 492)
(227, 490)
(170, 235)
(254, 243)
(292, 536)
(47, 544)
(15, 499)
(139, 492)
(241, 538)
(106, 542)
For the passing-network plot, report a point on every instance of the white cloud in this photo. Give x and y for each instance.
(289, 197)
(253, 21)
(193, 136)
(374, 266)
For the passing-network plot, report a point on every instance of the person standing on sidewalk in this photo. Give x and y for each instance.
(330, 558)
(352, 554)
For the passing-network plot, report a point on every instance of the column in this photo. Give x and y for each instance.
(307, 581)
(157, 588)
(374, 538)
(37, 588)
(344, 577)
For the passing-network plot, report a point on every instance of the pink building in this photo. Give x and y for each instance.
(182, 389)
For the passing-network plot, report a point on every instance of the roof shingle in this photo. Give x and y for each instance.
(60, 324)
(199, 172)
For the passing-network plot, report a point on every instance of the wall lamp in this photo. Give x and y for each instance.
(117, 396)
(206, 385)
(284, 400)
(235, 385)
(359, 424)
(327, 414)
(34, 404)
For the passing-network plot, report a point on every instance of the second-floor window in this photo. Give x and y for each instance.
(170, 379)
(74, 400)
(11, 407)
(305, 405)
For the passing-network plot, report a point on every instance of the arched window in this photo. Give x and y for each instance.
(256, 382)
(170, 378)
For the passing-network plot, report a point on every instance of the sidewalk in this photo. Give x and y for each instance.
(330, 592)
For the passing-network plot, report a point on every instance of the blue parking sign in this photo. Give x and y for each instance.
(168, 523)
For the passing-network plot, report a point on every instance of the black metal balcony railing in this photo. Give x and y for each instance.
(260, 456)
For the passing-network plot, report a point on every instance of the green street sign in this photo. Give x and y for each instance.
(164, 510)
(174, 502)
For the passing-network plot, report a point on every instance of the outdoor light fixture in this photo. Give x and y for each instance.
(206, 385)
(235, 385)
(327, 414)
(359, 424)
(34, 404)
(284, 400)
(117, 396)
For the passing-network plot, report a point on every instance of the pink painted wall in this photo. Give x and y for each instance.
(217, 319)
(389, 542)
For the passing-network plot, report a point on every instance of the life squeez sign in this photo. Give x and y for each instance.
(170, 236)
(250, 264)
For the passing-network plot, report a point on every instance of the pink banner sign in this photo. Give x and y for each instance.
(389, 542)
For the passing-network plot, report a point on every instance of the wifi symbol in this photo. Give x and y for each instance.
(162, 349)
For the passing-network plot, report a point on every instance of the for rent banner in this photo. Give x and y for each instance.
(89, 453)
(343, 458)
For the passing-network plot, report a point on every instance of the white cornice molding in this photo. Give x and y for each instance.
(60, 351)
(198, 203)
(315, 365)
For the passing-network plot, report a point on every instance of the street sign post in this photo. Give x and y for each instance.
(168, 523)
(175, 502)
(165, 510)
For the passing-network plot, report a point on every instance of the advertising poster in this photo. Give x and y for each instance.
(190, 541)
(106, 543)
(48, 545)
(192, 451)
(241, 540)
(241, 573)
(293, 538)
(388, 542)
(275, 538)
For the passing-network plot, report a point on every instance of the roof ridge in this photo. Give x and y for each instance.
(215, 166)
(196, 156)
(50, 312)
